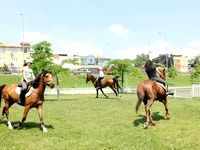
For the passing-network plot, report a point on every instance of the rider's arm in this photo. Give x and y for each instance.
(33, 75)
(159, 73)
(24, 76)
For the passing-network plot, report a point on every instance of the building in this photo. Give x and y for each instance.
(181, 63)
(88, 60)
(101, 61)
(13, 56)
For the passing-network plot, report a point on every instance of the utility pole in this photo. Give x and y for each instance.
(22, 35)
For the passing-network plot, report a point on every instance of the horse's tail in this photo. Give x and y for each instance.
(141, 96)
(1, 88)
(116, 83)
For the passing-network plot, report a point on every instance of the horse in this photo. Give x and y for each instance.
(105, 82)
(34, 100)
(147, 92)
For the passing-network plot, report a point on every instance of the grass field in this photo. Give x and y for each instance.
(84, 122)
(72, 81)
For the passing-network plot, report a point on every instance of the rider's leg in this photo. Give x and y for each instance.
(165, 84)
(23, 92)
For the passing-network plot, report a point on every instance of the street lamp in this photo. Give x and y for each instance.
(22, 35)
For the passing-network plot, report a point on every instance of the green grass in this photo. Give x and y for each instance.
(71, 81)
(84, 122)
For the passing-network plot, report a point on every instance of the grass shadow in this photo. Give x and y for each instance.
(28, 125)
(156, 117)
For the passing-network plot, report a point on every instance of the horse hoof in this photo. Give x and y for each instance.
(167, 118)
(10, 127)
(146, 125)
(44, 130)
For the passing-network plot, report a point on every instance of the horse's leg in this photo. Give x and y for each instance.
(40, 114)
(115, 91)
(103, 93)
(26, 110)
(97, 93)
(6, 112)
(166, 108)
(148, 113)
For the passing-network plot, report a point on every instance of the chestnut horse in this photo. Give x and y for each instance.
(147, 92)
(34, 100)
(105, 82)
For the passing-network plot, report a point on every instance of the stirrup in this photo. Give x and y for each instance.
(169, 93)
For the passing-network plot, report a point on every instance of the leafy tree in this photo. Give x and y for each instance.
(141, 60)
(118, 67)
(42, 57)
(195, 77)
(172, 72)
(74, 61)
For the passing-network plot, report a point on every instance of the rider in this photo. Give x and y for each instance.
(101, 76)
(27, 77)
(154, 74)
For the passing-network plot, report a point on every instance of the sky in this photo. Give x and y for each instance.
(114, 29)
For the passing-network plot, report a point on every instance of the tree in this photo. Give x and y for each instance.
(42, 57)
(118, 67)
(141, 60)
(195, 77)
(74, 61)
(172, 72)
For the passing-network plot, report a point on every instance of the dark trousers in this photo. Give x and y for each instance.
(160, 81)
(98, 81)
(23, 91)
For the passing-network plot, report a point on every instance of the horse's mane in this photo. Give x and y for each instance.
(35, 83)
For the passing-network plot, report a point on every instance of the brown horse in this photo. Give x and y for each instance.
(34, 100)
(106, 82)
(147, 92)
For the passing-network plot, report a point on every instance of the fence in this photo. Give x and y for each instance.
(179, 92)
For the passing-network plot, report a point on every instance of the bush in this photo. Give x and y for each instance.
(172, 72)
(195, 77)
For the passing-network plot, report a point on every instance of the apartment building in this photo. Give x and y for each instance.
(13, 56)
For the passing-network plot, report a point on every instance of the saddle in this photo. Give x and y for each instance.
(29, 90)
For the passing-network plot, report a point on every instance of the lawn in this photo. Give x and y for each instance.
(73, 81)
(84, 122)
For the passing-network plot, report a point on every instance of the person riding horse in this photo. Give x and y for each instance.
(153, 73)
(27, 77)
(101, 76)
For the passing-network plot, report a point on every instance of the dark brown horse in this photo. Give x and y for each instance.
(147, 92)
(106, 82)
(34, 100)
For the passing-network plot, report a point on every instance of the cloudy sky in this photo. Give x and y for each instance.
(105, 28)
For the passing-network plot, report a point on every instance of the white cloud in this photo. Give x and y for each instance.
(118, 29)
(194, 44)
(77, 48)
(34, 37)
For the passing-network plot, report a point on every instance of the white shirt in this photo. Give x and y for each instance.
(27, 74)
(101, 74)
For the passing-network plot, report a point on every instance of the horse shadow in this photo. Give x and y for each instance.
(156, 116)
(28, 125)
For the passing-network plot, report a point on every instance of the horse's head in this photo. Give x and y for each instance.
(88, 77)
(48, 79)
(161, 72)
